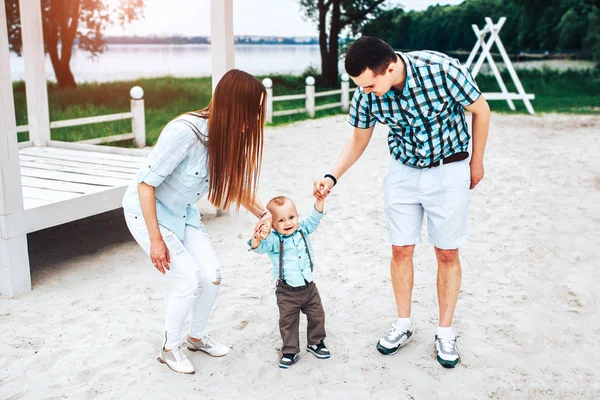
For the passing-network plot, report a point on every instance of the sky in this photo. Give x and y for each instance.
(250, 17)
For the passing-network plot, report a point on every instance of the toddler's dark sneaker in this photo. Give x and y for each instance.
(319, 350)
(287, 360)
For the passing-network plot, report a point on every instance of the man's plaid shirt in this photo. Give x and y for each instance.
(427, 120)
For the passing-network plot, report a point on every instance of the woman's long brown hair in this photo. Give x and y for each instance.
(236, 116)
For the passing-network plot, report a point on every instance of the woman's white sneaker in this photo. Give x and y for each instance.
(176, 360)
(208, 345)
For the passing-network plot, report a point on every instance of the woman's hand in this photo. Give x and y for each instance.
(265, 222)
(159, 253)
(262, 233)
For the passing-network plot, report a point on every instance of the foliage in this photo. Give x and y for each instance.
(332, 17)
(66, 23)
(531, 25)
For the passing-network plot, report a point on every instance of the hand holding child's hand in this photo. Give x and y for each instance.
(262, 232)
(320, 200)
(322, 188)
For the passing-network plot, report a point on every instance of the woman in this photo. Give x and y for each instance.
(216, 150)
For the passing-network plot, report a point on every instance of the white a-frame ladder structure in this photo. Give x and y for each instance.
(493, 30)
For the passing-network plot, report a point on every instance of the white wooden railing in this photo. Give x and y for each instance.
(138, 123)
(309, 96)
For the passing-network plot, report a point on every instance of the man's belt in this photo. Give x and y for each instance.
(463, 155)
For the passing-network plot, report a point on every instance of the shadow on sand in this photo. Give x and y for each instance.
(83, 237)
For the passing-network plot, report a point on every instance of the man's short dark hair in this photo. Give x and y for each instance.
(368, 52)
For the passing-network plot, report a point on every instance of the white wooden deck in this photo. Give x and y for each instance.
(92, 182)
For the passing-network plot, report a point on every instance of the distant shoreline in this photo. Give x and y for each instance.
(269, 40)
(530, 55)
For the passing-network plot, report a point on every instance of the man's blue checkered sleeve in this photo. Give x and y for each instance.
(360, 115)
(460, 84)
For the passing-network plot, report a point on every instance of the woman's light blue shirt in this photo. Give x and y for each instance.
(296, 265)
(178, 168)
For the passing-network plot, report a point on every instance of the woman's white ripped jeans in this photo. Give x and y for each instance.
(194, 272)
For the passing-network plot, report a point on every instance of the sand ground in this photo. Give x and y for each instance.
(527, 314)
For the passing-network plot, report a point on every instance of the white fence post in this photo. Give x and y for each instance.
(345, 92)
(269, 86)
(138, 122)
(310, 96)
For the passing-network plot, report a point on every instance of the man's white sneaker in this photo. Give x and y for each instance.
(208, 345)
(395, 338)
(176, 360)
(446, 351)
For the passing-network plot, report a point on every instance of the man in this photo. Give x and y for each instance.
(421, 96)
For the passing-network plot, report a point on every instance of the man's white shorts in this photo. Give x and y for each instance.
(441, 192)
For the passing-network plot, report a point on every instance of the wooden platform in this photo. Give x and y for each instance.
(62, 185)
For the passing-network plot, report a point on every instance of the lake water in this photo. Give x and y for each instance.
(125, 62)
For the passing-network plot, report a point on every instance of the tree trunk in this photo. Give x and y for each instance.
(330, 48)
(62, 67)
(62, 27)
(330, 72)
(323, 9)
(64, 76)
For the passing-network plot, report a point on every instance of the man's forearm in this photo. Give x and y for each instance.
(481, 126)
(352, 151)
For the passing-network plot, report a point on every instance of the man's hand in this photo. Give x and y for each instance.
(321, 188)
(476, 173)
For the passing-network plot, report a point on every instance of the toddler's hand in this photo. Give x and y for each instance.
(322, 188)
(262, 232)
(321, 193)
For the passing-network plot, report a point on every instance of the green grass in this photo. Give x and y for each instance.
(164, 98)
(564, 92)
(572, 92)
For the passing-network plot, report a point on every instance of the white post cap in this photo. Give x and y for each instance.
(345, 77)
(267, 82)
(310, 80)
(136, 93)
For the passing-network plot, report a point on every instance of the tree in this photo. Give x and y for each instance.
(571, 29)
(332, 16)
(591, 42)
(65, 22)
(549, 25)
(391, 26)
